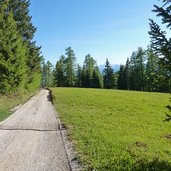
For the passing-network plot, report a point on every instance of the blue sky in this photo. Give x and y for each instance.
(104, 28)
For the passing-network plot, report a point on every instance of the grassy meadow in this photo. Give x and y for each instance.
(116, 130)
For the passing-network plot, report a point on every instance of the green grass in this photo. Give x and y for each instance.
(9, 102)
(116, 130)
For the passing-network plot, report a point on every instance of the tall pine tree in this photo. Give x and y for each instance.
(97, 78)
(121, 82)
(79, 76)
(160, 43)
(60, 73)
(137, 70)
(12, 54)
(152, 71)
(88, 68)
(108, 76)
(70, 63)
(20, 10)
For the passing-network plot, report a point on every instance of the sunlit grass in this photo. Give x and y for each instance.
(116, 130)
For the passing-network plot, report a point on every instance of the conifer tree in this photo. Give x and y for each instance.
(137, 70)
(86, 78)
(160, 43)
(49, 74)
(20, 9)
(70, 67)
(60, 72)
(127, 74)
(12, 54)
(108, 76)
(97, 78)
(152, 71)
(121, 82)
(79, 76)
(140, 69)
(88, 68)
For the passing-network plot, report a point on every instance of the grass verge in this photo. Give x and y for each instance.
(116, 130)
(9, 102)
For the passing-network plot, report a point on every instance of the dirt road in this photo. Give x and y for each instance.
(30, 139)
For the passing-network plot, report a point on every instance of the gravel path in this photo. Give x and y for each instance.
(30, 139)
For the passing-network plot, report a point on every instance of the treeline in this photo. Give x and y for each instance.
(20, 59)
(143, 71)
(22, 67)
(67, 73)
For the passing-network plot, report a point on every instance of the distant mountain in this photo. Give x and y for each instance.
(115, 67)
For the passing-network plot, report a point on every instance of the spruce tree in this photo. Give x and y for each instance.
(137, 70)
(12, 54)
(152, 71)
(97, 78)
(127, 74)
(132, 72)
(86, 78)
(60, 72)
(140, 68)
(121, 82)
(47, 74)
(159, 41)
(70, 67)
(88, 69)
(79, 76)
(108, 76)
(20, 9)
